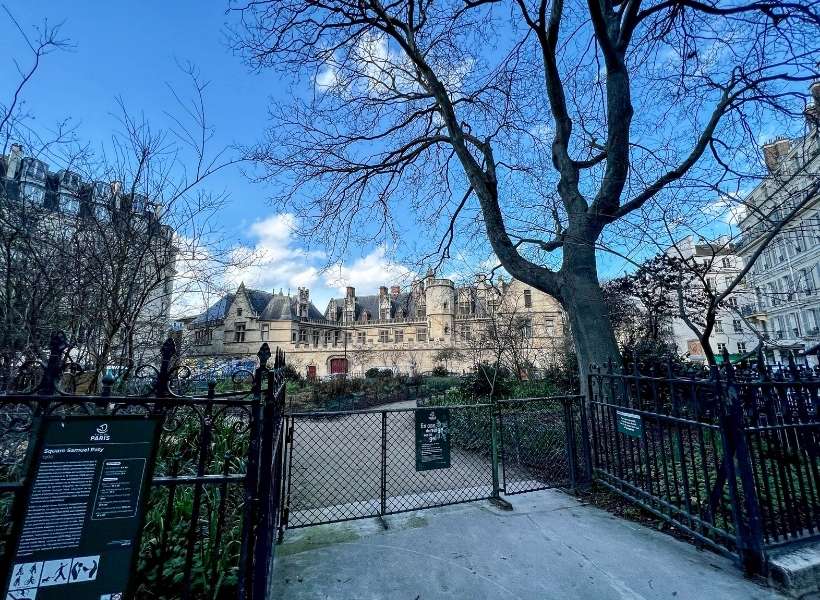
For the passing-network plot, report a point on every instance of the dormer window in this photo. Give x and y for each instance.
(238, 312)
(446, 305)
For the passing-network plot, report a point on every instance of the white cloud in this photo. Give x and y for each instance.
(273, 260)
(367, 273)
(727, 209)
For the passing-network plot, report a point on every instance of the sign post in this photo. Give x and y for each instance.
(432, 438)
(77, 533)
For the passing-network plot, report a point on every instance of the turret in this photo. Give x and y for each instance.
(440, 304)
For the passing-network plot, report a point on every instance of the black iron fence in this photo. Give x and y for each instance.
(730, 455)
(353, 464)
(214, 506)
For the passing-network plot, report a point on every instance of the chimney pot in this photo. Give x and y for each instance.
(350, 292)
(395, 290)
(382, 290)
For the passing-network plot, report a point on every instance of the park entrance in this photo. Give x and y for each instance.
(356, 464)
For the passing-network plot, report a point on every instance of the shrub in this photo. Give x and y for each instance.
(440, 371)
(292, 373)
(480, 382)
(372, 373)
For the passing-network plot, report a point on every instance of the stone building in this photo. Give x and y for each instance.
(785, 301)
(405, 331)
(66, 242)
(723, 265)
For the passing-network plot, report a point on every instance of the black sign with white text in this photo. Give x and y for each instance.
(84, 504)
(432, 438)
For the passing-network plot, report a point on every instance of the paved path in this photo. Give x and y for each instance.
(550, 547)
(336, 471)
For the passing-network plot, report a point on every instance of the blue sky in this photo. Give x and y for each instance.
(132, 50)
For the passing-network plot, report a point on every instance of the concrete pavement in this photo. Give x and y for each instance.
(549, 547)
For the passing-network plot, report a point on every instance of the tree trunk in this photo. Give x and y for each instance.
(583, 300)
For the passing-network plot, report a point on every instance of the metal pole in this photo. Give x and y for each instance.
(383, 486)
(495, 412)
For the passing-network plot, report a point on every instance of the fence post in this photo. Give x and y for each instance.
(246, 554)
(263, 543)
(54, 366)
(495, 413)
(738, 460)
(167, 352)
(569, 442)
(383, 479)
(586, 440)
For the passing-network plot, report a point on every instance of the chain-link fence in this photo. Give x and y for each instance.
(354, 464)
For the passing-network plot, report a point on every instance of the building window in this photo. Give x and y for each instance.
(303, 335)
(719, 326)
(238, 312)
(721, 346)
(421, 334)
(726, 263)
(527, 298)
(361, 337)
(265, 333)
(398, 335)
(446, 330)
(202, 336)
(327, 338)
(420, 311)
(741, 347)
(239, 332)
(348, 337)
(383, 335)
(526, 329)
(315, 337)
(738, 327)
(549, 325)
(446, 306)
(293, 336)
(337, 337)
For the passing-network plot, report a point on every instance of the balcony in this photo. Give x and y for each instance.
(753, 311)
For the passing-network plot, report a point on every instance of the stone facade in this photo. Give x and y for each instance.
(785, 297)
(730, 331)
(401, 330)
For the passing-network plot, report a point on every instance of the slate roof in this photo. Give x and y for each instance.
(215, 312)
(269, 307)
(401, 306)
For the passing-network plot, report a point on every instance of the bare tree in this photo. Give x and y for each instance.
(103, 260)
(565, 123)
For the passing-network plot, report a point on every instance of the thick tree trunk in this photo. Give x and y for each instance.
(583, 300)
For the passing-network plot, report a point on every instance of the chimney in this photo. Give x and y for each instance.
(812, 110)
(395, 290)
(774, 152)
(350, 292)
(382, 291)
(14, 159)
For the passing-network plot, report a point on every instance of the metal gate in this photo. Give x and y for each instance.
(354, 464)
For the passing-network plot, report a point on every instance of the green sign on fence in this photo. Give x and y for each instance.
(432, 438)
(630, 424)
